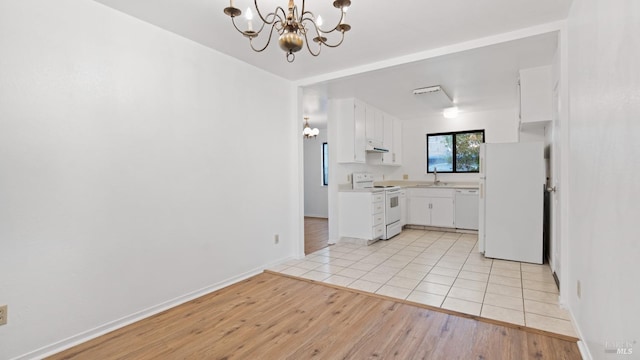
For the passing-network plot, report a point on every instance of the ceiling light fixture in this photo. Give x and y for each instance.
(435, 96)
(451, 113)
(308, 132)
(293, 26)
(426, 90)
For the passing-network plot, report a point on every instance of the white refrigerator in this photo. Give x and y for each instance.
(512, 180)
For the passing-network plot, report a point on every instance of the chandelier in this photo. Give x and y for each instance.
(294, 27)
(308, 132)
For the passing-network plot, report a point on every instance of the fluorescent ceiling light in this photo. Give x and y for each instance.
(435, 96)
(426, 90)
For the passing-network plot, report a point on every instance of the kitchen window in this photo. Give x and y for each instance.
(454, 152)
(325, 164)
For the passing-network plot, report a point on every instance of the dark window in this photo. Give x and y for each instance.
(325, 164)
(454, 152)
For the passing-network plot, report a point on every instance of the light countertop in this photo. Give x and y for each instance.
(426, 184)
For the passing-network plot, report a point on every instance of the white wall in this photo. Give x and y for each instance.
(129, 180)
(315, 194)
(604, 250)
(499, 126)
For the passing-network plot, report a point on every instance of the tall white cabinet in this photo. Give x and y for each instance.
(351, 129)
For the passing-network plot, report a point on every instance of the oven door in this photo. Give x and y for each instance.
(392, 207)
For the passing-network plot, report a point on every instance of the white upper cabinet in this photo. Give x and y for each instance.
(360, 139)
(392, 140)
(375, 124)
(356, 122)
(387, 139)
(397, 142)
(378, 125)
(536, 95)
(349, 115)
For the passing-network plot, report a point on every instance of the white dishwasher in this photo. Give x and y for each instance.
(467, 209)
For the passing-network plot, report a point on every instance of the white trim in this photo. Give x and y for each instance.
(85, 336)
(563, 187)
(584, 350)
(299, 248)
(582, 345)
(445, 50)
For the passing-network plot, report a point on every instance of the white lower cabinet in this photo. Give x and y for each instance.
(361, 215)
(430, 207)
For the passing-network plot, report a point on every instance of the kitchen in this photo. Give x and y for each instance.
(482, 83)
(504, 95)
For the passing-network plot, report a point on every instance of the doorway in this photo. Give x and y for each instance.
(316, 181)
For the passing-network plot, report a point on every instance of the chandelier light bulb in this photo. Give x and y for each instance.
(319, 21)
(249, 17)
(308, 132)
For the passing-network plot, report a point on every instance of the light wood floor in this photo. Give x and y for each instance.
(271, 316)
(316, 234)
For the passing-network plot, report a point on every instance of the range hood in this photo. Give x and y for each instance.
(375, 146)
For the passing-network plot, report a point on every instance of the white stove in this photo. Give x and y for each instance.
(364, 182)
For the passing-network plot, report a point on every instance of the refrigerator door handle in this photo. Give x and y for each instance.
(481, 191)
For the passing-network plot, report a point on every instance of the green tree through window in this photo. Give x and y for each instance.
(454, 152)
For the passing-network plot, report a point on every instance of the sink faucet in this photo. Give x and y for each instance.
(435, 173)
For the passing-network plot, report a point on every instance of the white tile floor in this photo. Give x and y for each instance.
(444, 270)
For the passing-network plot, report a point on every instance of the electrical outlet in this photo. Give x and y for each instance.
(276, 239)
(579, 289)
(405, 177)
(3, 315)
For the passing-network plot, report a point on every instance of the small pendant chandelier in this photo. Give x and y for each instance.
(308, 132)
(294, 27)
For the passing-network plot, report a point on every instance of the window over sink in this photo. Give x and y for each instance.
(454, 152)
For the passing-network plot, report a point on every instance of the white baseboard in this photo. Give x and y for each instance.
(584, 350)
(582, 346)
(140, 315)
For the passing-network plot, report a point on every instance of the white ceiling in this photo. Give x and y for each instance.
(380, 29)
(482, 79)
(478, 80)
